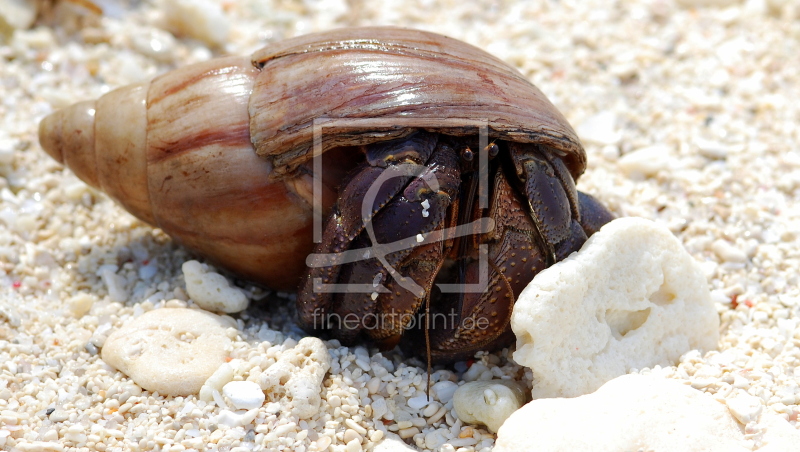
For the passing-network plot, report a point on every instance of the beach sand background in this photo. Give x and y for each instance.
(688, 110)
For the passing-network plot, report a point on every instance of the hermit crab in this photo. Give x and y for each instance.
(440, 180)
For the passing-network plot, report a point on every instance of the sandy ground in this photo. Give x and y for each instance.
(704, 93)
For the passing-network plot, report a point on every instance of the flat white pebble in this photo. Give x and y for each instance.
(172, 351)
(216, 381)
(80, 304)
(148, 271)
(712, 149)
(444, 390)
(463, 442)
(323, 442)
(408, 432)
(436, 417)
(115, 284)
(351, 435)
(234, 420)
(475, 371)
(58, 415)
(379, 407)
(353, 446)
(418, 402)
(744, 407)
(355, 426)
(376, 436)
(374, 385)
(199, 19)
(244, 395)
(402, 425)
(431, 409)
(418, 422)
(645, 161)
(727, 252)
(272, 408)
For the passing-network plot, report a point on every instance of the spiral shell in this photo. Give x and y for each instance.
(217, 153)
(176, 153)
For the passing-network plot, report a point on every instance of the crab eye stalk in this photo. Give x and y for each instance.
(493, 150)
(467, 155)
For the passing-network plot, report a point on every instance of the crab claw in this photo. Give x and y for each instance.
(334, 266)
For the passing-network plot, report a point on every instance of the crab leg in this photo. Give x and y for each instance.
(407, 275)
(552, 199)
(593, 214)
(346, 221)
(555, 222)
(397, 308)
(468, 322)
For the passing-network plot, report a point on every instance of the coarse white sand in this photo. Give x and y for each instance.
(688, 109)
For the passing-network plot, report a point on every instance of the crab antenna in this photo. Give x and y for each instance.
(428, 343)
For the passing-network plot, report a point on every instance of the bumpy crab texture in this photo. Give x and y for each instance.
(452, 171)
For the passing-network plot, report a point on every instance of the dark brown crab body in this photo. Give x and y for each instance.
(428, 144)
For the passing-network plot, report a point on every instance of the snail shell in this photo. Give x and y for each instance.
(176, 153)
(488, 402)
(217, 154)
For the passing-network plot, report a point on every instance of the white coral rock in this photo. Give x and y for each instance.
(632, 412)
(210, 290)
(171, 350)
(631, 298)
(299, 373)
(488, 403)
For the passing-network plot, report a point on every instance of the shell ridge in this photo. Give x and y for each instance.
(388, 73)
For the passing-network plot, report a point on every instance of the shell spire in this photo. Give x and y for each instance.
(68, 136)
(176, 153)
